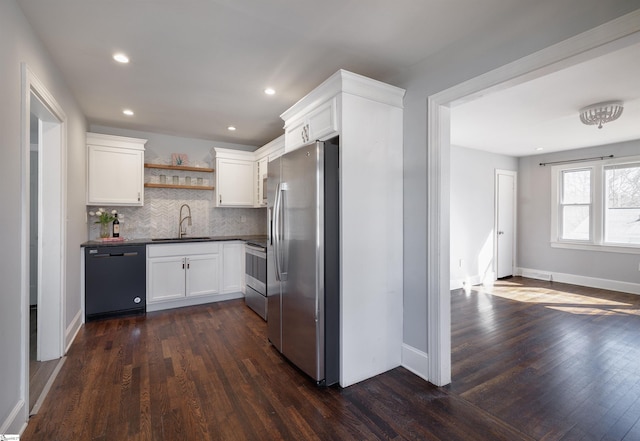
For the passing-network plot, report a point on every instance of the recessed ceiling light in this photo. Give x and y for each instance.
(121, 58)
(269, 91)
(231, 128)
(128, 112)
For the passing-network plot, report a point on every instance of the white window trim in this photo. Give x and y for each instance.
(596, 234)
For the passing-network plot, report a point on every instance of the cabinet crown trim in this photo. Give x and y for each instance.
(220, 153)
(345, 82)
(270, 148)
(115, 141)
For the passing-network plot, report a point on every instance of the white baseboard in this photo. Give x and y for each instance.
(462, 283)
(72, 330)
(533, 274)
(16, 422)
(192, 301)
(574, 279)
(415, 361)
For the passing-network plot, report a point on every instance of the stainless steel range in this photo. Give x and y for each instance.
(256, 278)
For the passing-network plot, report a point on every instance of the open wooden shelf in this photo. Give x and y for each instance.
(184, 187)
(179, 167)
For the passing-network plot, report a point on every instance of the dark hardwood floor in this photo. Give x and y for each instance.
(528, 363)
(554, 361)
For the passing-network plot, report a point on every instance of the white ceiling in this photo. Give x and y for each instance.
(199, 66)
(544, 113)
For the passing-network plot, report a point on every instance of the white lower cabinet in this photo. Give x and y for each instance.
(232, 267)
(165, 279)
(184, 274)
(203, 275)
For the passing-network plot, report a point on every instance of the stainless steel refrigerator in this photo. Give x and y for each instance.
(303, 271)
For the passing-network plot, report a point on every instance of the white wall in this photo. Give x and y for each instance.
(534, 223)
(18, 43)
(472, 211)
(535, 26)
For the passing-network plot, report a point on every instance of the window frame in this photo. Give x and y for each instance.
(596, 240)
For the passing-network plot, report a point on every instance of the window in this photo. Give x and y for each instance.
(597, 205)
(575, 204)
(622, 210)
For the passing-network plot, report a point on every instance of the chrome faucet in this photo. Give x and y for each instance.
(182, 230)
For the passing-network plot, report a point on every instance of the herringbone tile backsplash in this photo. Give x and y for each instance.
(159, 216)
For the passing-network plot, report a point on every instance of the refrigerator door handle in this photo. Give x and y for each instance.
(282, 245)
(270, 226)
(278, 232)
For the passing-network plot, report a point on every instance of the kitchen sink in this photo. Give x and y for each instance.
(181, 239)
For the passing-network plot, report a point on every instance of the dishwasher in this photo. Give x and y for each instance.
(115, 281)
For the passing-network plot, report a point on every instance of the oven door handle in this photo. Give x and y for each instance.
(256, 251)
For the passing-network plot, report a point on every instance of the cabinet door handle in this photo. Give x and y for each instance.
(183, 263)
(138, 196)
(220, 199)
(188, 263)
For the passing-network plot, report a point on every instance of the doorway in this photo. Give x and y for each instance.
(43, 238)
(613, 35)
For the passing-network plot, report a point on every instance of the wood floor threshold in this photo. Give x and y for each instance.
(47, 387)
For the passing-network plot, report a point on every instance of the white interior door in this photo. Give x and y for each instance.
(41, 109)
(505, 222)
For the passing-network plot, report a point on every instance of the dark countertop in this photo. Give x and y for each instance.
(254, 239)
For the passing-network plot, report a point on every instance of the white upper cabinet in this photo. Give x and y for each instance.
(263, 155)
(261, 182)
(235, 178)
(319, 124)
(115, 170)
(240, 175)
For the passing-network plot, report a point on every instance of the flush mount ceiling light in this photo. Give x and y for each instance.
(128, 112)
(269, 91)
(231, 128)
(121, 58)
(601, 113)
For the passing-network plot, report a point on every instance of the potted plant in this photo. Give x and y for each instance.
(104, 219)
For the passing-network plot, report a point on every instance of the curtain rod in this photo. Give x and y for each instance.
(542, 164)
